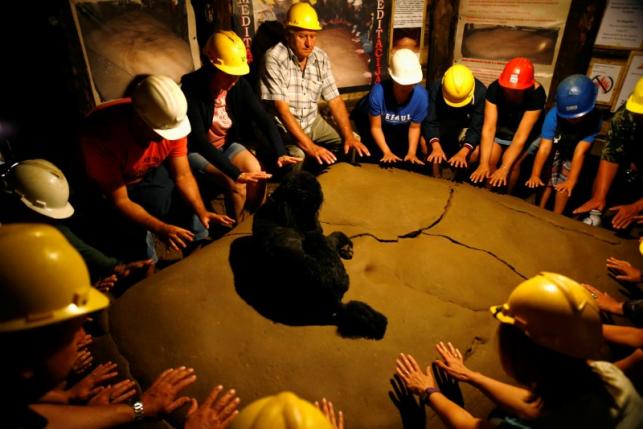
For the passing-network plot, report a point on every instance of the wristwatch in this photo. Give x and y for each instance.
(428, 392)
(139, 413)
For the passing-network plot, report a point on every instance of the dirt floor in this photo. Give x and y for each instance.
(430, 254)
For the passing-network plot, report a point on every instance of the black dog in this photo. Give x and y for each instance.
(308, 278)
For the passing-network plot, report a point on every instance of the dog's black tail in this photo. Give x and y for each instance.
(357, 319)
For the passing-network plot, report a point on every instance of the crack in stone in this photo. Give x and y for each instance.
(475, 343)
(442, 299)
(488, 252)
(611, 243)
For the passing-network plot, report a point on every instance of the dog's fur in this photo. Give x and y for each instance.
(311, 276)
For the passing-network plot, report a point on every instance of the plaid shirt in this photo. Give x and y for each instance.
(282, 79)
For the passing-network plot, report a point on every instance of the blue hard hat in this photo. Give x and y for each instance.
(575, 96)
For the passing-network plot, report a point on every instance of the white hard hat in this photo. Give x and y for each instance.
(161, 104)
(405, 67)
(42, 187)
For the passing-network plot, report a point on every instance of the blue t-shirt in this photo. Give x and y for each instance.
(566, 135)
(381, 102)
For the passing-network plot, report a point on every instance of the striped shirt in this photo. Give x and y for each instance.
(282, 79)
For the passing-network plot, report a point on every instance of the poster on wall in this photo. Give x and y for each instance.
(621, 26)
(408, 25)
(124, 39)
(491, 33)
(633, 72)
(355, 35)
(606, 75)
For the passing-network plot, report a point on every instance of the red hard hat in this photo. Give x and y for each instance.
(517, 74)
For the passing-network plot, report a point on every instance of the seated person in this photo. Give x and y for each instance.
(45, 297)
(127, 145)
(570, 128)
(511, 123)
(549, 328)
(220, 108)
(389, 118)
(37, 192)
(454, 123)
(621, 159)
(295, 73)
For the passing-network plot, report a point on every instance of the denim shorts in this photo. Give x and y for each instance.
(532, 146)
(199, 163)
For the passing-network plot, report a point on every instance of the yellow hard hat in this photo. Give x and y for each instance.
(635, 101)
(43, 279)
(302, 15)
(42, 187)
(282, 411)
(555, 312)
(227, 52)
(458, 86)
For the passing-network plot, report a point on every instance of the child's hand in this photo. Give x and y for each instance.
(413, 159)
(390, 158)
(437, 155)
(534, 182)
(459, 160)
(565, 187)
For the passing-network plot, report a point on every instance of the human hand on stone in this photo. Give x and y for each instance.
(565, 188)
(125, 270)
(321, 154)
(224, 220)
(452, 362)
(354, 143)
(480, 174)
(498, 178)
(114, 394)
(534, 182)
(604, 300)
(161, 397)
(437, 154)
(106, 284)
(410, 372)
(390, 158)
(459, 160)
(253, 177)
(413, 159)
(214, 413)
(83, 361)
(623, 270)
(89, 385)
(593, 204)
(175, 236)
(625, 215)
(285, 160)
(326, 407)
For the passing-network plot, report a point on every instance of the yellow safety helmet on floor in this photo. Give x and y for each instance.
(227, 52)
(458, 86)
(635, 100)
(42, 187)
(303, 16)
(282, 411)
(43, 279)
(555, 312)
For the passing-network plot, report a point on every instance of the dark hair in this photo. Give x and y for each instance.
(552, 377)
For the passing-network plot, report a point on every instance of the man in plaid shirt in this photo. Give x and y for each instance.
(293, 77)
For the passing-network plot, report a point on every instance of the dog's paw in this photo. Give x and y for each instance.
(342, 243)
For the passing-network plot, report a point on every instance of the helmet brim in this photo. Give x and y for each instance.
(182, 129)
(57, 213)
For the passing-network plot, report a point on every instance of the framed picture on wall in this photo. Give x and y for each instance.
(633, 72)
(606, 75)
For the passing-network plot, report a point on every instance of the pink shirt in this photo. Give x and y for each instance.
(221, 122)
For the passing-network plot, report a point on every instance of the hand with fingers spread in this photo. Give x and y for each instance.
(565, 188)
(84, 341)
(410, 372)
(215, 412)
(224, 220)
(459, 160)
(534, 182)
(593, 204)
(498, 178)
(326, 407)
(625, 215)
(248, 177)
(161, 397)
(175, 236)
(413, 159)
(125, 270)
(437, 155)
(390, 158)
(481, 174)
(623, 270)
(88, 386)
(285, 160)
(604, 300)
(354, 143)
(452, 362)
(114, 394)
(321, 154)
(83, 361)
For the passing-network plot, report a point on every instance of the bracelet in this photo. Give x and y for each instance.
(427, 393)
(139, 413)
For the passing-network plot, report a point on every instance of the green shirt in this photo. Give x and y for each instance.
(625, 139)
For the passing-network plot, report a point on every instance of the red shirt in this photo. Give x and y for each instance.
(113, 155)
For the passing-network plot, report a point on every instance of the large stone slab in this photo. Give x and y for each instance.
(429, 254)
